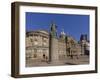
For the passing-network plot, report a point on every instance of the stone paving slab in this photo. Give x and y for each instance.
(67, 61)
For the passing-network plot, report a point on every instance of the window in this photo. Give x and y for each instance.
(31, 34)
(35, 55)
(31, 39)
(35, 50)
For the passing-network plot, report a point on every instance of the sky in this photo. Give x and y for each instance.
(73, 24)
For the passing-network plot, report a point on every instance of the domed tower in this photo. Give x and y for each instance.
(62, 46)
(53, 43)
(83, 41)
(63, 35)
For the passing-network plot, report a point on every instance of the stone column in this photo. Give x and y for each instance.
(82, 50)
(54, 50)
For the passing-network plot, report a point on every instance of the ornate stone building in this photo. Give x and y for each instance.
(45, 46)
(84, 44)
(37, 45)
